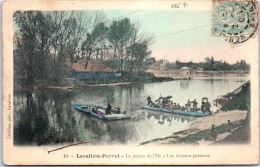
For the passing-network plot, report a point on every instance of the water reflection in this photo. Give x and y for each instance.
(168, 118)
(184, 84)
(39, 114)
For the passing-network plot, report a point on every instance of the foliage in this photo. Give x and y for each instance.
(46, 43)
(138, 52)
(30, 44)
(93, 39)
(205, 134)
(241, 101)
(140, 77)
(211, 65)
(120, 34)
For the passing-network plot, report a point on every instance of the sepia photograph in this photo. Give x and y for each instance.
(128, 82)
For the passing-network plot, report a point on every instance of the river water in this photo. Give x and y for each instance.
(40, 114)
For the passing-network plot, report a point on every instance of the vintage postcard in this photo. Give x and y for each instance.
(171, 82)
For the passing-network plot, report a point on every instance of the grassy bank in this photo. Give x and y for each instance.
(134, 77)
(126, 77)
(205, 134)
(194, 136)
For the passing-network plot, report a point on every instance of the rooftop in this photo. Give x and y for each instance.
(186, 68)
(92, 67)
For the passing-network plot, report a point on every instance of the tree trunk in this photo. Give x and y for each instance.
(131, 64)
(115, 52)
(102, 54)
(121, 62)
(131, 67)
(86, 65)
(71, 64)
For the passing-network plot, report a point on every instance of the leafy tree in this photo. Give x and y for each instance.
(150, 61)
(178, 64)
(138, 52)
(93, 40)
(31, 41)
(120, 34)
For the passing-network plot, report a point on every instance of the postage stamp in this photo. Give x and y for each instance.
(236, 21)
(130, 82)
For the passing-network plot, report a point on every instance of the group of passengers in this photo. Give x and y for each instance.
(191, 106)
(96, 110)
(108, 110)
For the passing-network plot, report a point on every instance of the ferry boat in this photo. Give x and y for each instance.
(100, 113)
(185, 110)
(178, 111)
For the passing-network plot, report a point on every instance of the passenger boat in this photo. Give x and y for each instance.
(87, 108)
(181, 112)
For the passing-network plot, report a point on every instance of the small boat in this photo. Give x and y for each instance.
(181, 112)
(87, 108)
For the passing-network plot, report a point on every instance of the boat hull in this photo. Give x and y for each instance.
(82, 108)
(180, 112)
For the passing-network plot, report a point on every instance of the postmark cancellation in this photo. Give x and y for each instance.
(236, 21)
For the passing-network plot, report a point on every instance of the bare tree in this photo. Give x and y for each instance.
(74, 48)
(95, 37)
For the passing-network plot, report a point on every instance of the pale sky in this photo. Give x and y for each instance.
(189, 45)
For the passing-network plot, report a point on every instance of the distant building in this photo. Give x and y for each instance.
(159, 65)
(94, 71)
(186, 71)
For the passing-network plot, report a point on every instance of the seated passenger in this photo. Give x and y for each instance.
(156, 105)
(93, 109)
(118, 110)
(175, 106)
(188, 103)
(152, 104)
(178, 106)
(163, 103)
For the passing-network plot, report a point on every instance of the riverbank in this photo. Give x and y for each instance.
(198, 132)
(126, 78)
(178, 74)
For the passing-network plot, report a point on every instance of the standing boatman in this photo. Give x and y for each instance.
(195, 104)
(149, 99)
(203, 106)
(207, 106)
(108, 110)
